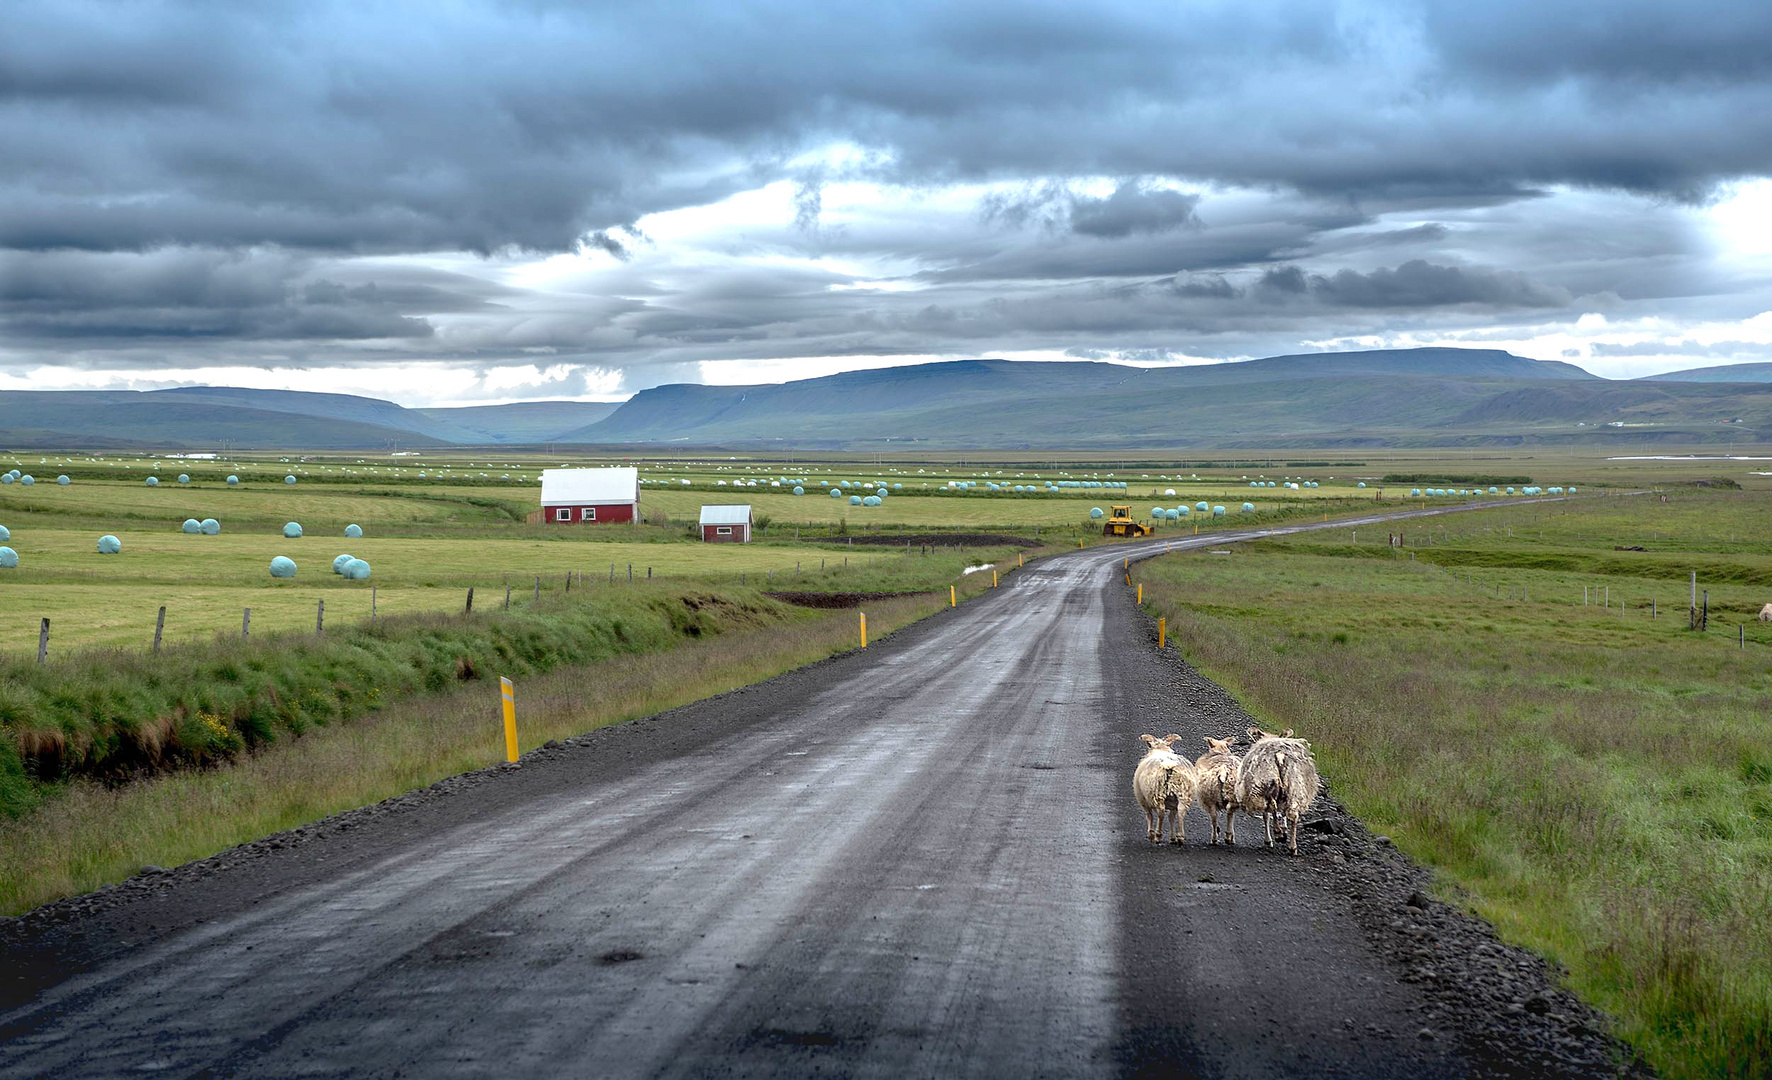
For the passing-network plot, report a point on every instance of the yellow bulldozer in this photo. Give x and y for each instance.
(1120, 523)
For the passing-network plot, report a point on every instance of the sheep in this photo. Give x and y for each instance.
(1163, 784)
(1278, 780)
(1216, 771)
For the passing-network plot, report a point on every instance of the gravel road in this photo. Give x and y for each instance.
(918, 859)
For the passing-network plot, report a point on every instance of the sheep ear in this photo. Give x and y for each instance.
(1288, 733)
(1170, 740)
(1149, 740)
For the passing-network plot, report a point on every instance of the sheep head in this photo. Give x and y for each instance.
(1218, 746)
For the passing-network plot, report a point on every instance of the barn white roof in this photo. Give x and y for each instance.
(726, 515)
(575, 487)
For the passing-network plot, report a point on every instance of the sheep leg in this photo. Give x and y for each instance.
(1292, 832)
(1230, 825)
(1214, 815)
(1175, 836)
(1150, 825)
(1267, 823)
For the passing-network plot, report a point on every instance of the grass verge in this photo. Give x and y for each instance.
(1596, 783)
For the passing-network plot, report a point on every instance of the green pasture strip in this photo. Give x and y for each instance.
(90, 834)
(1595, 782)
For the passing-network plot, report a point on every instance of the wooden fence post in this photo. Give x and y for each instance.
(469, 609)
(43, 641)
(159, 626)
(537, 587)
(372, 589)
(507, 596)
(568, 581)
(245, 621)
(320, 618)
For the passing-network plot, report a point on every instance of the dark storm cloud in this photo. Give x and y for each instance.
(485, 125)
(256, 172)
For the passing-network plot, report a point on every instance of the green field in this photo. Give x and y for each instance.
(1590, 774)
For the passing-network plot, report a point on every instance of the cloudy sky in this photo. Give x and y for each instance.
(469, 201)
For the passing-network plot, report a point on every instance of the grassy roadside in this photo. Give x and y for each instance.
(89, 834)
(1596, 783)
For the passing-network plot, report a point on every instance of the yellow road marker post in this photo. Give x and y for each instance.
(953, 600)
(864, 629)
(1141, 592)
(1162, 631)
(1018, 560)
(506, 692)
(993, 579)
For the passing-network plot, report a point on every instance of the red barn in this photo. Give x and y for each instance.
(590, 496)
(726, 524)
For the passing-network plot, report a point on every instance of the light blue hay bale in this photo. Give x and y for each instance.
(798, 490)
(291, 479)
(210, 526)
(184, 478)
(292, 530)
(353, 531)
(855, 500)
(1360, 484)
(109, 545)
(8, 558)
(356, 570)
(835, 494)
(5, 533)
(192, 526)
(1172, 515)
(339, 563)
(282, 566)
(63, 480)
(1202, 506)
(1156, 511)
(1095, 512)
(233, 481)
(1182, 510)
(6, 478)
(152, 481)
(1248, 507)
(27, 479)
(1218, 511)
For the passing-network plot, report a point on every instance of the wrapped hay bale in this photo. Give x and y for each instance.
(292, 530)
(210, 527)
(282, 566)
(356, 570)
(109, 545)
(233, 481)
(353, 531)
(192, 526)
(8, 558)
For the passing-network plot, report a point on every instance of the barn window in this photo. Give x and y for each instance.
(724, 530)
(563, 514)
(588, 514)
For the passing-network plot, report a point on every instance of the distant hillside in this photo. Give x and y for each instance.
(521, 422)
(1729, 373)
(1396, 395)
(203, 417)
(1405, 397)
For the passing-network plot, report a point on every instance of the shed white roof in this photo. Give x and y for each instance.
(726, 515)
(575, 487)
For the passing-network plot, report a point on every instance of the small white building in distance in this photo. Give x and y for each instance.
(726, 524)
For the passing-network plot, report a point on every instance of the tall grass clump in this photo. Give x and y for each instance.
(112, 715)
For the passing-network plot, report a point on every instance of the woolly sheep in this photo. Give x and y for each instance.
(109, 545)
(353, 531)
(1216, 772)
(210, 526)
(1278, 780)
(292, 530)
(1164, 786)
(282, 566)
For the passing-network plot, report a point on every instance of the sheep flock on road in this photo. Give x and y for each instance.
(1276, 778)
